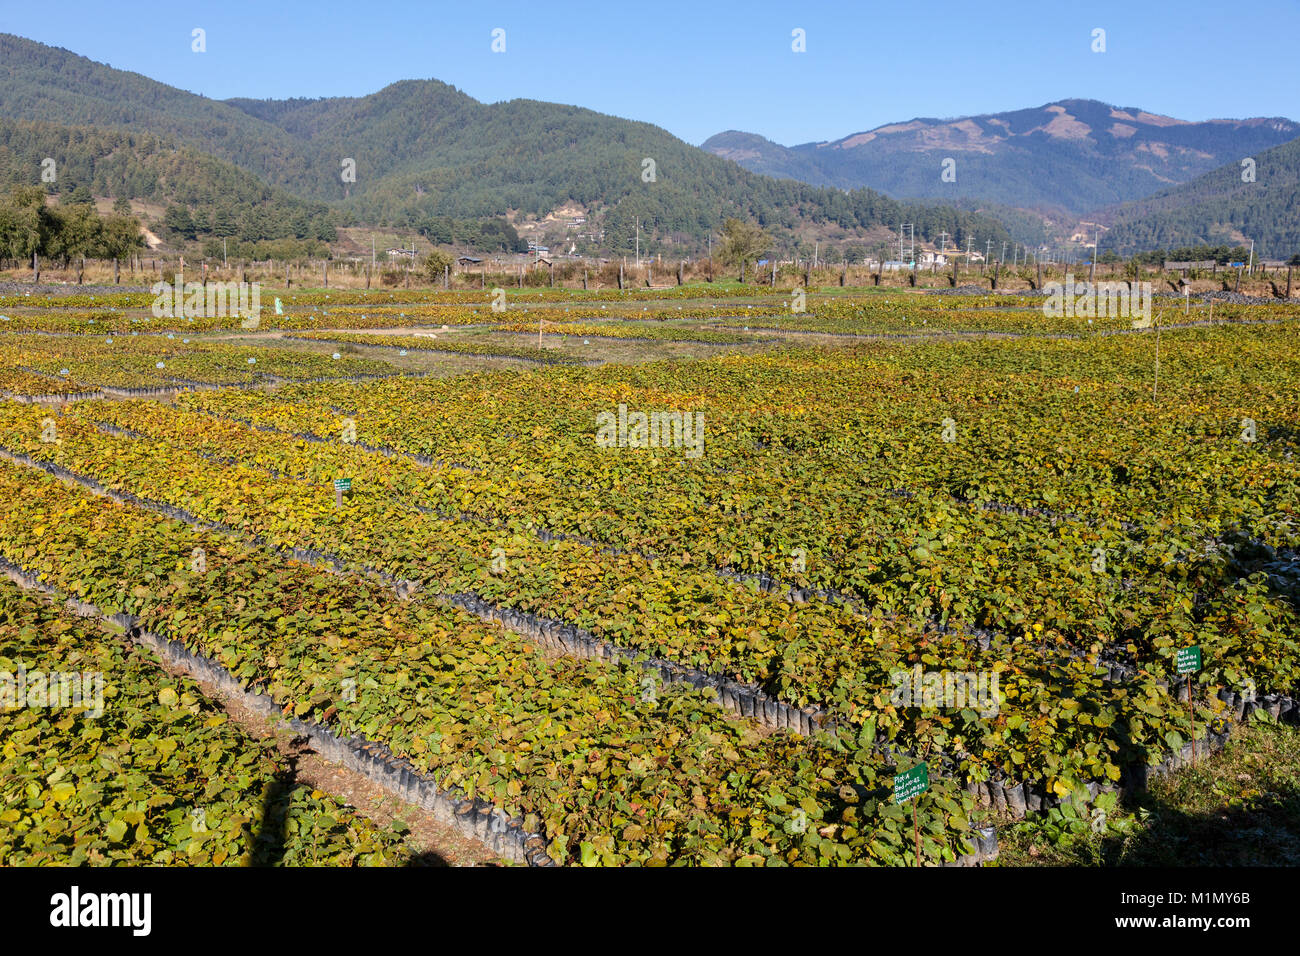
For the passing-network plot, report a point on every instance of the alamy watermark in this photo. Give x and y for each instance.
(1097, 299)
(215, 301)
(75, 908)
(57, 690)
(950, 690)
(651, 430)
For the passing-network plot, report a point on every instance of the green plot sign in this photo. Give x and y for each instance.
(343, 484)
(1189, 659)
(912, 783)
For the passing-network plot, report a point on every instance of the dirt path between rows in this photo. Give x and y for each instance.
(433, 843)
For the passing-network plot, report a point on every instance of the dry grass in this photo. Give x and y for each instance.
(1241, 807)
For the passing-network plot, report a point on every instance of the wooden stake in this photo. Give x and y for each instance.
(916, 832)
(1191, 712)
(1156, 385)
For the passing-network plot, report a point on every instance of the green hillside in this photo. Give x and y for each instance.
(423, 149)
(1220, 209)
(220, 198)
(47, 84)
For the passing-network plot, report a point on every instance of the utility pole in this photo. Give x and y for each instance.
(908, 254)
(638, 242)
(372, 252)
(224, 263)
(943, 242)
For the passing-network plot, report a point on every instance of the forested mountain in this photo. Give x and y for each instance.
(1074, 155)
(1231, 205)
(219, 197)
(760, 155)
(43, 83)
(422, 149)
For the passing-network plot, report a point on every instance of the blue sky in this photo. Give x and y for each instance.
(703, 67)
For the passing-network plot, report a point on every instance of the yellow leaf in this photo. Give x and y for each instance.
(62, 792)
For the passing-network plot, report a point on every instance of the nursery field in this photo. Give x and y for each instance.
(459, 562)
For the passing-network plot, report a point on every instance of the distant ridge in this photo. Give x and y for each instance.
(1074, 155)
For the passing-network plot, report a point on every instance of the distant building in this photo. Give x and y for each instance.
(467, 261)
